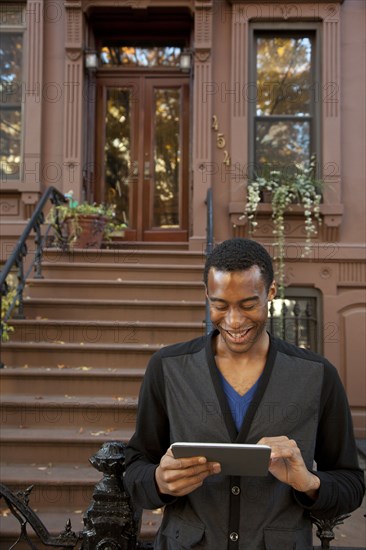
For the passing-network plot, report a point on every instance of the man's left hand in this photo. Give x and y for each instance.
(287, 465)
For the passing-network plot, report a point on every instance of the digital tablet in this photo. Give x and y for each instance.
(236, 459)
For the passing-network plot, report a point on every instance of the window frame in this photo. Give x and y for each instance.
(301, 293)
(297, 29)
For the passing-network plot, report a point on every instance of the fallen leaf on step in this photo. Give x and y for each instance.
(25, 367)
(103, 432)
(81, 430)
(81, 343)
(42, 468)
(78, 511)
(60, 366)
(38, 397)
(5, 513)
(84, 368)
(59, 342)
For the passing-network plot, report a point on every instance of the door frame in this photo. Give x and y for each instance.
(141, 212)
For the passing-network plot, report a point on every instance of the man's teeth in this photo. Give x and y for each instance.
(238, 334)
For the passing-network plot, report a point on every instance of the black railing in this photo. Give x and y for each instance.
(294, 320)
(111, 522)
(209, 248)
(17, 258)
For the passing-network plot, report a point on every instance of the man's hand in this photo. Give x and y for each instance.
(287, 465)
(180, 476)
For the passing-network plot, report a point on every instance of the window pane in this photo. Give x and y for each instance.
(166, 157)
(12, 15)
(283, 75)
(11, 46)
(282, 143)
(10, 142)
(117, 151)
(11, 51)
(140, 57)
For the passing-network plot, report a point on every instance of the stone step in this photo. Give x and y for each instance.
(19, 354)
(114, 290)
(55, 520)
(88, 380)
(103, 332)
(65, 445)
(125, 255)
(119, 310)
(62, 485)
(81, 412)
(122, 272)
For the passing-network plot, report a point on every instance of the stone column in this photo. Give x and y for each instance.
(201, 120)
(31, 177)
(73, 99)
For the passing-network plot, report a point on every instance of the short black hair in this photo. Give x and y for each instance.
(239, 255)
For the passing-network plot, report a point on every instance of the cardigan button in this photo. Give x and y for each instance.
(234, 537)
(235, 490)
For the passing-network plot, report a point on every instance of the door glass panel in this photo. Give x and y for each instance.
(166, 157)
(117, 151)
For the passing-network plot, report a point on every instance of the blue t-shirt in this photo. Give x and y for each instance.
(238, 404)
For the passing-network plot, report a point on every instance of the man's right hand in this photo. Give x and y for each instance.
(180, 476)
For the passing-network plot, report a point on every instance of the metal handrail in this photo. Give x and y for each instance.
(208, 250)
(16, 258)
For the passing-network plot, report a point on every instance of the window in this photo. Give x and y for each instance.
(132, 56)
(296, 319)
(284, 110)
(11, 68)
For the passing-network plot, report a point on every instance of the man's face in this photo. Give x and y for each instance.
(239, 306)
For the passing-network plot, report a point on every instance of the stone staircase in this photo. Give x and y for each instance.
(74, 366)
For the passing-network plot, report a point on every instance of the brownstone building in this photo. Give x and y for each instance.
(149, 103)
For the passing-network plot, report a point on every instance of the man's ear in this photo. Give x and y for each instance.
(206, 292)
(272, 291)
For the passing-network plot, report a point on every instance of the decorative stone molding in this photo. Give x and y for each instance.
(286, 3)
(352, 274)
(74, 20)
(243, 12)
(9, 206)
(29, 201)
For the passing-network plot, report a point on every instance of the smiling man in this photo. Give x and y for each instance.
(241, 385)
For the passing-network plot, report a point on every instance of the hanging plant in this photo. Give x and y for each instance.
(300, 188)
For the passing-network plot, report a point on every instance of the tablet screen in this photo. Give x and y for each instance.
(235, 458)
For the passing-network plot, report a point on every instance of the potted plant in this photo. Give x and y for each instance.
(284, 190)
(83, 225)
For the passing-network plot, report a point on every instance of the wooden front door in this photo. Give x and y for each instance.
(142, 152)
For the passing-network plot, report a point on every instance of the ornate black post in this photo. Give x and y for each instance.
(110, 522)
(325, 528)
